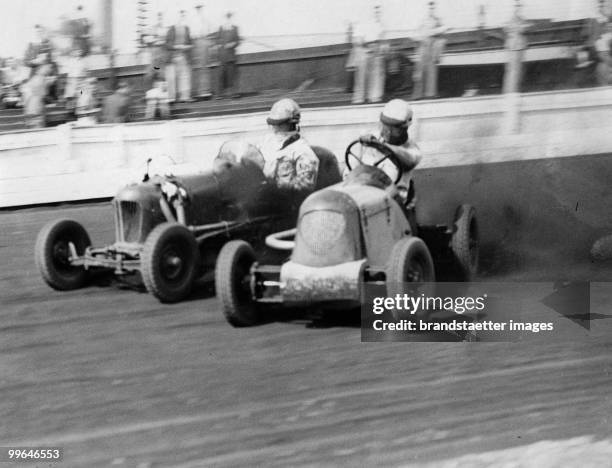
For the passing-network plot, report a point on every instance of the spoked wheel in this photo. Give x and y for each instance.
(465, 242)
(233, 283)
(56, 246)
(410, 271)
(169, 262)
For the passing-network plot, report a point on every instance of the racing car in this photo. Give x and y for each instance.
(169, 229)
(356, 232)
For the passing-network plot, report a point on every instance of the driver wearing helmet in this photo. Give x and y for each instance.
(395, 119)
(289, 159)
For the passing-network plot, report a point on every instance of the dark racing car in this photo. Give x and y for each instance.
(170, 229)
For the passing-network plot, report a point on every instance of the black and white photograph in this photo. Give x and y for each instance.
(318, 233)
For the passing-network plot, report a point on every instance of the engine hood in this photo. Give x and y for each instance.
(146, 194)
(328, 230)
(233, 193)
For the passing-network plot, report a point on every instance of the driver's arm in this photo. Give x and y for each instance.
(306, 171)
(408, 154)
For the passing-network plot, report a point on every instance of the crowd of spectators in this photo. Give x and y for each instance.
(189, 60)
(192, 59)
(34, 82)
(373, 62)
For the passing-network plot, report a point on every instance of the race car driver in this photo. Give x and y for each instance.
(289, 159)
(395, 119)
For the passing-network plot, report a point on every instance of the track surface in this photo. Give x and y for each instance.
(117, 379)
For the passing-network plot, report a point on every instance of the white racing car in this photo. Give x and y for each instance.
(348, 235)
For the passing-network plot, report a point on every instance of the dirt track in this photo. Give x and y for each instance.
(118, 379)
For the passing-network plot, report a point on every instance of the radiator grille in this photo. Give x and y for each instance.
(131, 221)
(321, 230)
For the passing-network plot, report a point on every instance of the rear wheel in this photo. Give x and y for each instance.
(465, 242)
(169, 262)
(56, 244)
(233, 283)
(410, 271)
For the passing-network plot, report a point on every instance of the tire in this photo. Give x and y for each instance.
(231, 274)
(410, 262)
(169, 262)
(464, 242)
(52, 254)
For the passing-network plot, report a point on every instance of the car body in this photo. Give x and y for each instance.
(348, 235)
(170, 229)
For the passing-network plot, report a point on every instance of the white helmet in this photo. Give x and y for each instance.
(396, 113)
(285, 110)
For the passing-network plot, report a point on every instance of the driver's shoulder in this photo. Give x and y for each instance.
(301, 148)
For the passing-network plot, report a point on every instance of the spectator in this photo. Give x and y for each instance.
(87, 106)
(516, 44)
(604, 65)
(34, 92)
(369, 60)
(228, 39)
(350, 62)
(14, 73)
(76, 73)
(586, 66)
(157, 101)
(201, 75)
(117, 105)
(596, 26)
(80, 32)
(430, 50)
(40, 51)
(155, 40)
(178, 68)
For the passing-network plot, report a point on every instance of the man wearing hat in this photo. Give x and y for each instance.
(117, 105)
(429, 52)
(201, 70)
(289, 159)
(178, 68)
(228, 39)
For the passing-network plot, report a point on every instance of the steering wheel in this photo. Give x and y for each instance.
(379, 146)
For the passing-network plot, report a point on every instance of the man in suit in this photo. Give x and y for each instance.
(201, 75)
(155, 40)
(516, 45)
(178, 68)
(81, 32)
(228, 40)
(34, 92)
(39, 52)
(157, 101)
(430, 49)
(369, 60)
(117, 105)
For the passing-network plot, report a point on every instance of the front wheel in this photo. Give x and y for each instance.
(465, 242)
(233, 283)
(56, 245)
(169, 262)
(410, 271)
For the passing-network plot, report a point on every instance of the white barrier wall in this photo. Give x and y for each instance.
(74, 163)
